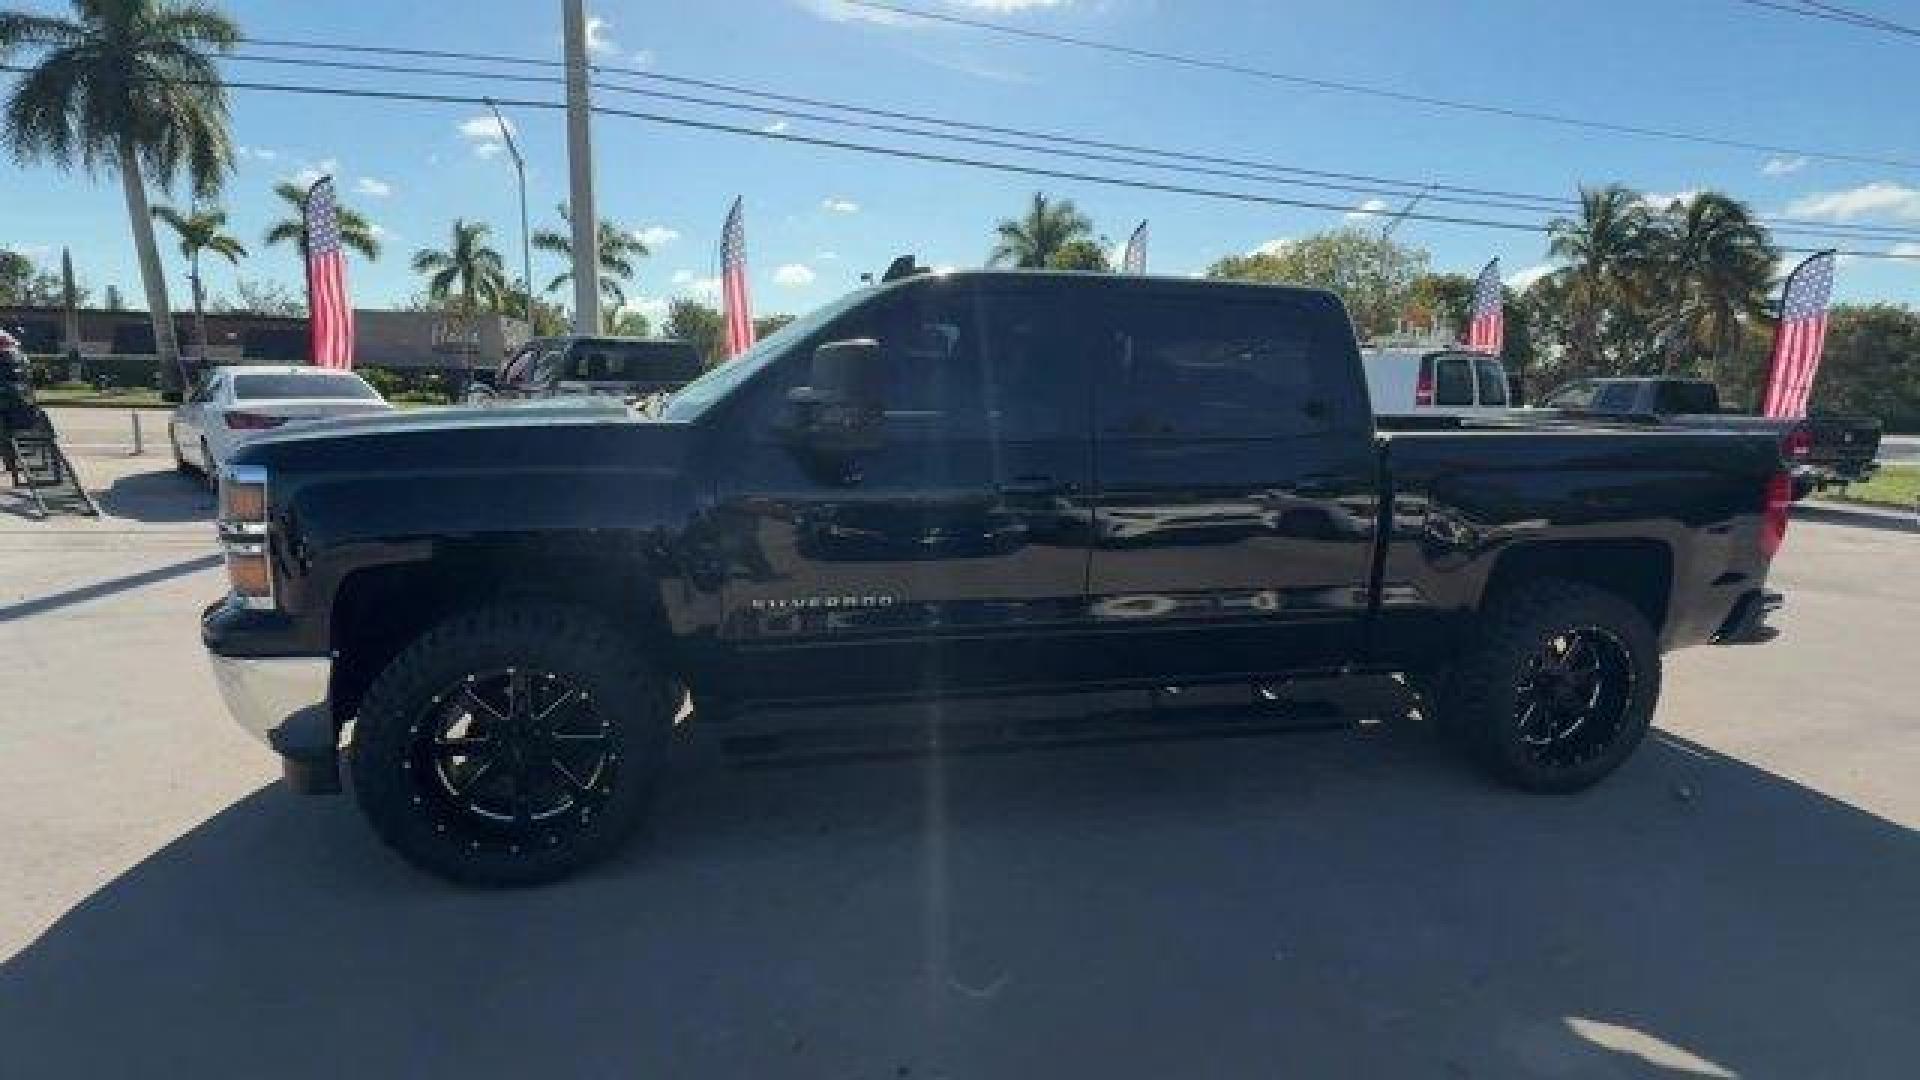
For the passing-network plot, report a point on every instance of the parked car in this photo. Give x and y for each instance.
(633, 369)
(962, 484)
(1823, 450)
(1441, 382)
(230, 405)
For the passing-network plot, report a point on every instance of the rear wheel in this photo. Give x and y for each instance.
(1559, 688)
(511, 745)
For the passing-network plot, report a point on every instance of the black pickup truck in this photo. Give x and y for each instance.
(963, 484)
(1823, 451)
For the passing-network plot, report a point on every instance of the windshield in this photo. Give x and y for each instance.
(280, 386)
(698, 396)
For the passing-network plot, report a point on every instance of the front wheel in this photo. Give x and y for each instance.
(511, 745)
(1559, 687)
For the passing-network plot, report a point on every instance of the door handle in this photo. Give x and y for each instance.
(1035, 487)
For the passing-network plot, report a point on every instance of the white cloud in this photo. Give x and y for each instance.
(1880, 198)
(487, 134)
(1372, 208)
(643, 58)
(688, 283)
(656, 235)
(1781, 166)
(826, 256)
(653, 307)
(1908, 250)
(309, 173)
(840, 206)
(1522, 280)
(1660, 201)
(841, 11)
(794, 274)
(775, 128)
(597, 39)
(377, 188)
(1272, 247)
(257, 153)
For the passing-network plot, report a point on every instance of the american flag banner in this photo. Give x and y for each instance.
(733, 283)
(330, 308)
(1800, 339)
(1135, 260)
(1487, 321)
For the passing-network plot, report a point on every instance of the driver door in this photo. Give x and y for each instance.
(952, 557)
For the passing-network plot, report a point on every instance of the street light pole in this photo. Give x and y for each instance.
(586, 220)
(526, 242)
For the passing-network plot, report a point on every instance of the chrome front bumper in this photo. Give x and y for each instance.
(264, 692)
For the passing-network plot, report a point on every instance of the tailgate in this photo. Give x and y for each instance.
(1843, 439)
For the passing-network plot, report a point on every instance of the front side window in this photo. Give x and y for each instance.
(1572, 396)
(1193, 368)
(1614, 397)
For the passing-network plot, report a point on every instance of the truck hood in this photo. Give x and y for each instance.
(560, 436)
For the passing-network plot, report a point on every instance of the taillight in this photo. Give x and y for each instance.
(1423, 389)
(253, 421)
(1773, 521)
(1799, 442)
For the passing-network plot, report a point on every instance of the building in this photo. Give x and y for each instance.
(415, 341)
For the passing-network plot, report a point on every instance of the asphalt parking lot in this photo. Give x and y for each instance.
(1741, 900)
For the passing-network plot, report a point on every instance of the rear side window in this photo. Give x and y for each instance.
(1452, 380)
(1491, 377)
(638, 361)
(1686, 397)
(1193, 368)
(306, 384)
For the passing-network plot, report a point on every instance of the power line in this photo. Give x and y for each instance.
(1051, 143)
(1334, 85)
(1836, 14)
(984, 164)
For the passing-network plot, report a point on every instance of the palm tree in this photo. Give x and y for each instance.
(202, 230)
(468, 271)
(355, 231)
(129, 85)
(618, 249)
(1607, 250)
(1039, 236)
(1719, 261)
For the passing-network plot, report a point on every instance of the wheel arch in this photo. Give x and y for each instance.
(1639, 570)
(377, 610)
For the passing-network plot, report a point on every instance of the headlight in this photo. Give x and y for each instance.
(243, 534)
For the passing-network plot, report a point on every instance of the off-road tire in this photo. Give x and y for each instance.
(397, 794)
(1484, 695)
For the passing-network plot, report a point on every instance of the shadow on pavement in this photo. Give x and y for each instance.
(1326, 903)
(99, 589)
(1889, 519)
(163, 495)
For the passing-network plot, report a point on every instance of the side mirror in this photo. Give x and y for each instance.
(841, 412)
(172, 397)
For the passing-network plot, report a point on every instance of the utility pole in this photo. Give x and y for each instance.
(520, 169)
(586, 219)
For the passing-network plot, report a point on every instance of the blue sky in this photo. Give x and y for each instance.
(816, 219)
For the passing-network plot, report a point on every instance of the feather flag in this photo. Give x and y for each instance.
(1486, 320)
(1801, 338)
(733, 283)
(327, 300)
(1135, 260)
